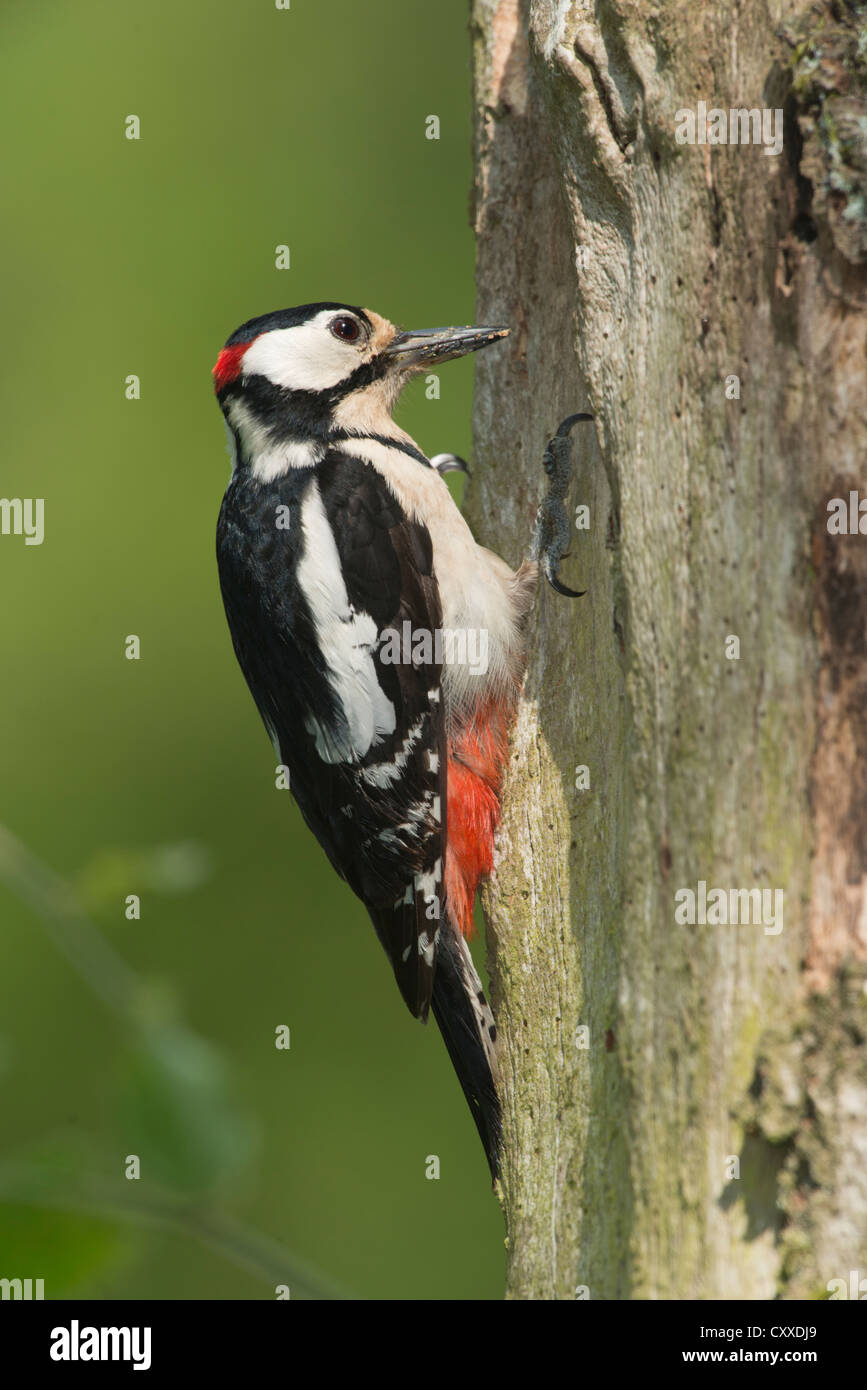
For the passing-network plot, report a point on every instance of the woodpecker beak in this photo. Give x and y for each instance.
(423, 347)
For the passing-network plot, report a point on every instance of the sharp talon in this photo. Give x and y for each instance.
(571, 420)
(553, 533)
(561, 588)
(450, 463)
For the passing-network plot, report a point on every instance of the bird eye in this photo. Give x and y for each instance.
(345, 328)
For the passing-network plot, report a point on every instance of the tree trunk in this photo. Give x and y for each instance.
(685, 1105)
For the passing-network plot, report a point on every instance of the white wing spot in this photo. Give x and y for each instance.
(426, 884)
(383, 774)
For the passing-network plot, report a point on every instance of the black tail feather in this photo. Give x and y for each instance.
(467, 1025)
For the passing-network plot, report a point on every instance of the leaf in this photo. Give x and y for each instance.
(178, 1114)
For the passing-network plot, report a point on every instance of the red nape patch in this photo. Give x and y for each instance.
(228, 365)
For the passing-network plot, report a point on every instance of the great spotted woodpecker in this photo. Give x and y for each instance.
(383, 647)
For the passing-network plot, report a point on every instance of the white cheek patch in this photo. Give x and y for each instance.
(231, 446)
(276, 463)
(346, 640)
(254, 435)
(305, 358)
(267, 460)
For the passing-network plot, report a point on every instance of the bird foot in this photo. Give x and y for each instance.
(552, 534)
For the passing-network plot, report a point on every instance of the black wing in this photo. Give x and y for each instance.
(366, 753)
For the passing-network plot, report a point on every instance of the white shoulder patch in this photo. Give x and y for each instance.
(268, 460)
(346, 639)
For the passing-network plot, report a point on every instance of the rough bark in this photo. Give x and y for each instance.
(638, 274)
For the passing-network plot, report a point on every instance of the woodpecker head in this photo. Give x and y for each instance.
(294, 379)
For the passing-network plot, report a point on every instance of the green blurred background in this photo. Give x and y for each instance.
(258, 127)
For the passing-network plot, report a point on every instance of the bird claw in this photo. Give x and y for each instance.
(450, 463)
(552, 535)
(559, 588)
